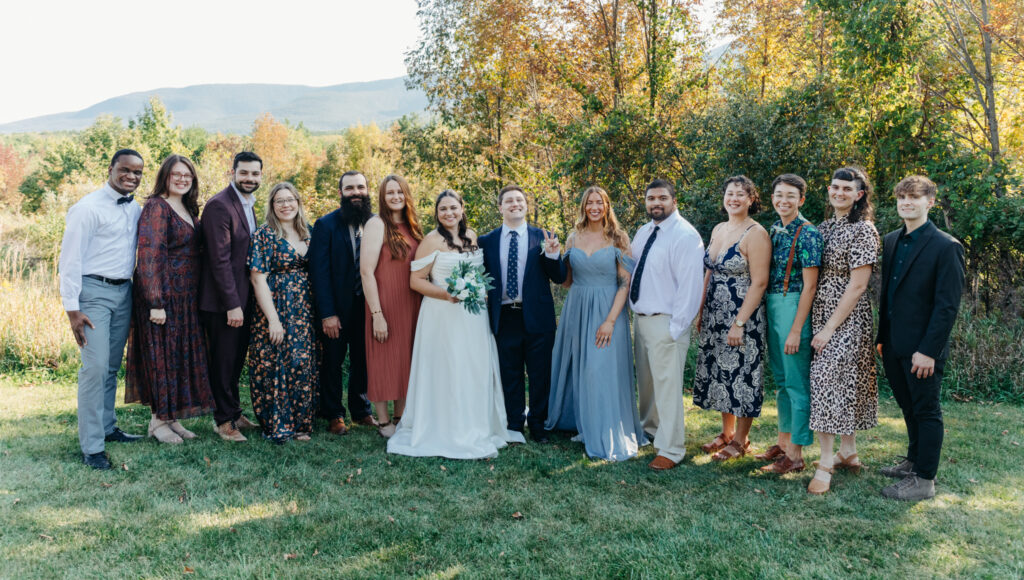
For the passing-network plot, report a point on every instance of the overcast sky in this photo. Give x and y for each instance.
(68, 55)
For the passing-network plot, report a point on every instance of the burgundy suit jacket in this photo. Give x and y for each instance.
(224, 279)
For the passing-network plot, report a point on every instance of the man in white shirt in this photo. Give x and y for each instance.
(665, 293)
(97, 258)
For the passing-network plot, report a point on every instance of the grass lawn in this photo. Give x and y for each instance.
(342, 508)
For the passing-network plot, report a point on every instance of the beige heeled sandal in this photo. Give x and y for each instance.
(819, 485)
(161, 431)
(180, 430)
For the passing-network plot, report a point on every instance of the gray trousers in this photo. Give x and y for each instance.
(109, 307)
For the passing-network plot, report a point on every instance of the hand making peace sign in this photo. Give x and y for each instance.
(551, 243)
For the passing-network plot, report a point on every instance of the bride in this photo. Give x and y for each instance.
(455, 406)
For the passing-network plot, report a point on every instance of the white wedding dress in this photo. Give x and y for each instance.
(454, 407)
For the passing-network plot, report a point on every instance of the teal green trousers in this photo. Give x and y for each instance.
(792, 371)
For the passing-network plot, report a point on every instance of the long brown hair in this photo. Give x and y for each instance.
(397, 245)
(191, 198)
(467, 244)
(609, 223)
(300, 222)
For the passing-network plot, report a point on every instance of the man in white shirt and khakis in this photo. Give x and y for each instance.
(665, 295)
(97, 259)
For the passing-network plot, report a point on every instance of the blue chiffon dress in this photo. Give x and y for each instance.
(592, 389)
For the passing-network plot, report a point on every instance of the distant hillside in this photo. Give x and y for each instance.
(232, 108)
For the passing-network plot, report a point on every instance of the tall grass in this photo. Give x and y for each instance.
(34, 334)
(986, 359)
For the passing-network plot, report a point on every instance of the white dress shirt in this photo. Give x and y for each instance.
(100, 237)
(248, 203)
(524, 247)
(673, 276)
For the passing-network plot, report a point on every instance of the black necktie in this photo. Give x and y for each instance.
(512, 275)
(634, 288)
(125, 199)
(359, 279)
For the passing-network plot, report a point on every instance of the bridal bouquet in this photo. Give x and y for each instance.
(470, 284)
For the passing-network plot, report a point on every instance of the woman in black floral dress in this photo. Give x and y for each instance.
(732, 323)
(283, 354)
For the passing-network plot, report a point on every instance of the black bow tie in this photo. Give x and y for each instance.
(125, 199)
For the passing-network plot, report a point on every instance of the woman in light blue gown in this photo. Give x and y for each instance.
(592, 387)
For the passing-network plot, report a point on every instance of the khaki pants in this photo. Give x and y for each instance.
(659, 376)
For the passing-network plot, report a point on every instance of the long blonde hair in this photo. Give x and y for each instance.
(609, 223)
(301, 223)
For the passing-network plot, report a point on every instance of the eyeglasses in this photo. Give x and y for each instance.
(285, 201)
(181, 176)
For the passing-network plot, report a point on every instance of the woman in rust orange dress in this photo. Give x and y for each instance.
(389, 243)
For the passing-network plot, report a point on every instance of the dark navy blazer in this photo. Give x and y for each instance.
(332, 267)
(538, 306)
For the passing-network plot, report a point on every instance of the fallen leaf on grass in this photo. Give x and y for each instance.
(276, 485)
(1015, 443)
(232, 530)
(501, 555)
(758, 528)
(45, 537)
(105, 484)
(491, 481)
(621, 482)
(492, 468)
(391, 519)
(517, 516)
(17, 500)
(291, 556)
(359, 471)
(1006, 432)
(337, 461)
(758, 490)
(412, 509)
(443, 468)
(349, 478)
(207, 460)
(124, 466)
(952, 459)
(897, 554)
(188, 570)
(315, 552)
(972, 480)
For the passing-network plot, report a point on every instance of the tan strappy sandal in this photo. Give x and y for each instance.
(180, 430)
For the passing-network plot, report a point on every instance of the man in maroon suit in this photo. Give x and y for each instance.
(225, 304)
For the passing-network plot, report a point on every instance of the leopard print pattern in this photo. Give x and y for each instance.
(844, 392)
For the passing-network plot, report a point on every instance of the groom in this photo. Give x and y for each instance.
(521, 308)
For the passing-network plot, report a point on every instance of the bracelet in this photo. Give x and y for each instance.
(374, 313)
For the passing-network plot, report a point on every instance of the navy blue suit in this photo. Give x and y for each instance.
(333, 274)
(525, 336)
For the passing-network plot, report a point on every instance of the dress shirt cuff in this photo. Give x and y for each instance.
(70, 304)
(556, 255)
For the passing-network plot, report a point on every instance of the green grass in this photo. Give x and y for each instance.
(343, 508)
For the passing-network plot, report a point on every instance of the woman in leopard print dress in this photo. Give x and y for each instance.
(844, 395)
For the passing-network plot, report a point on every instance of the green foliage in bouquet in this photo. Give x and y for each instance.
(470, 284)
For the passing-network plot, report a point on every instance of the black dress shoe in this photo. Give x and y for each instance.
(540, 436)
(119, 436)
(96, 460)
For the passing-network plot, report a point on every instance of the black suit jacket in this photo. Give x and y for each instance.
(332, 267)
(538, 306)
(927, 294)
(224, 275)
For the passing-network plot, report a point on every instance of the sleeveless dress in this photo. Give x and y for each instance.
(388, 362)
(729, 379)
(167, 365)
(592, 389)
(283, 378)
(454, 407)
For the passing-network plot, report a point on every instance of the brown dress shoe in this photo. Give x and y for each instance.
(784, 465)
(661, 463)
(337, 426)
(229, 432)
(774, 452)
(243, 422)
(369, 421)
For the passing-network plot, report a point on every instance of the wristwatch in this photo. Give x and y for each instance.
(739, 322)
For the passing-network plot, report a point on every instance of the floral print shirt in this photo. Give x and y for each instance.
(808, 254)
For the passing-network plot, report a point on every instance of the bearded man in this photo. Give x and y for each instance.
(225, 295)
(338, 296)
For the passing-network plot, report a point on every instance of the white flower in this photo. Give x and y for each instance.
(462, 295)
(460, 283)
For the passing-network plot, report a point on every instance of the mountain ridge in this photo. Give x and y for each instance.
(231, 108)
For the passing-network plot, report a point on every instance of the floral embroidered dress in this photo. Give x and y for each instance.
(729, 379)
(166, 366)
(283, 378)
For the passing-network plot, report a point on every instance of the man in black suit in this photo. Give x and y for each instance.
(521, 309)
(338, 296)
(922, 280)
